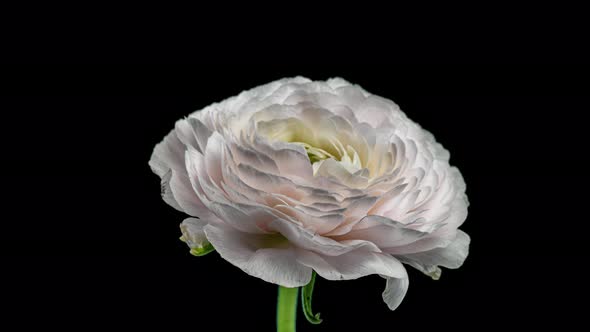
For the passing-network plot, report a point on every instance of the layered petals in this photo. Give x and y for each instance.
(297, 175)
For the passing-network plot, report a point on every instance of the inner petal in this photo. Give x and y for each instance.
(319, 143)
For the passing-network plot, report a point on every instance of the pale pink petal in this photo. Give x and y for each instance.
(352, 265)
(355, 211)
(168, 154)
(318, 224)
(306, 239)
(214, 198)
(451, 256)
(268, 257)
(185, 196)
(378, 112)
(395, 291)
(385, 233)
(201, 133)
(166, 191)
(168, 161)
(425, 244)
(186, 134)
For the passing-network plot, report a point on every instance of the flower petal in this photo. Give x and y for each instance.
(395, 291)
(185, 196)
(269, 257)
(169, 163)
(318, 224)
(166, 191)
(425, 244)
(306, 239)
(352, 265)
(355, 212)
(201, 132)
(384, 232)
(378, 112)
(185, 133)
(451, 256)
(168, 154)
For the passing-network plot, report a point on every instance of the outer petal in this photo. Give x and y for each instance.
(378, 112)
(352, 265)
(166, 191)
(167, 161)
(320, 225)
(395, 291)
(185, 196)
(450, 257)
(168, 154)
(185, 133)
(269, 257)
(305, 239)
(201, 132)
(383, 232)
(422, 245)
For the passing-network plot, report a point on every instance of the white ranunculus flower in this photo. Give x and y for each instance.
(299, 175)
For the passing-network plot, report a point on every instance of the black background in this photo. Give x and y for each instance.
(86, 240)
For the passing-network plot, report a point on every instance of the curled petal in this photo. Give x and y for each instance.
(168, 154)
(318, 224)
(354, 212)
(168, 162)
(185, 196)
(353, 265)
(201, 133)
(166, 191)
(186, 134)
(384, 232)
(451, 256)
(266, 256)
(303, 238)
(395, 291)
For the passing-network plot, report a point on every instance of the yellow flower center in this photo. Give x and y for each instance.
(320, 145)
(347, 157)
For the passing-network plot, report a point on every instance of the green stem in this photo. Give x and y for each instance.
(287, 309)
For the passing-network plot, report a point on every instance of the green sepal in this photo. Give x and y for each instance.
(306, 293)
(202, 251)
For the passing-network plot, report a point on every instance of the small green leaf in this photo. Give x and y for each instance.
(202, 251)
(306, 294)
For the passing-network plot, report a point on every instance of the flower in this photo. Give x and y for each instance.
(299, 175)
